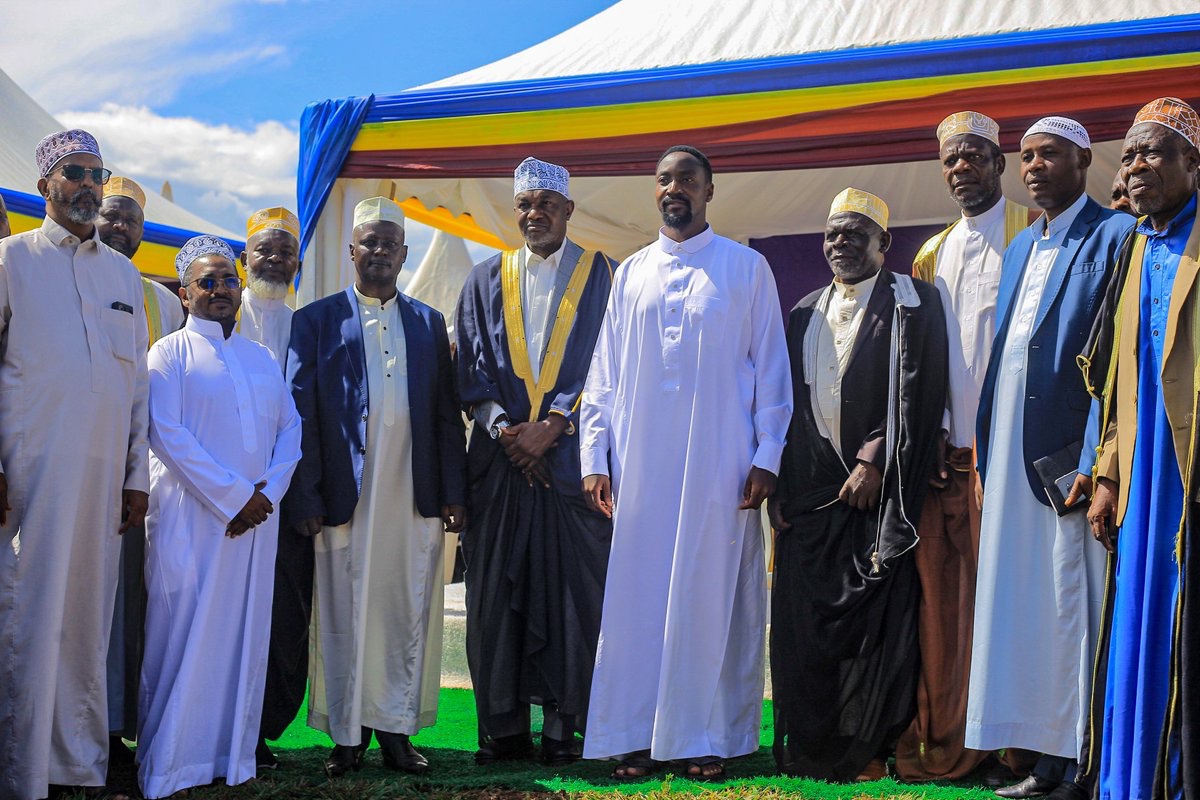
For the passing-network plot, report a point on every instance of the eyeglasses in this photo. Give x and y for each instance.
(232, 283)
(74, 173)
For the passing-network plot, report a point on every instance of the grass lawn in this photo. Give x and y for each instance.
(450, 746)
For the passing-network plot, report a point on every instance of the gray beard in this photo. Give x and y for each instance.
(267, 290)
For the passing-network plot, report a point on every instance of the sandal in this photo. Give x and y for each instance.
(636, 766)
(705, 768)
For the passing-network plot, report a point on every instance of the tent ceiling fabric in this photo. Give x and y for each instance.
(790, 108)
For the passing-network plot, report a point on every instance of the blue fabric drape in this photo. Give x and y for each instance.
(327, 129)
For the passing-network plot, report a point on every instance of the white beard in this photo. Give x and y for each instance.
(267, 290)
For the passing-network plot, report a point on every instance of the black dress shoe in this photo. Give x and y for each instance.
(344, 758)
(399, 753)
(559, 752)
(505, 748)
(1033, 786)
(263, 757)
(1068, 790)
(119, 754)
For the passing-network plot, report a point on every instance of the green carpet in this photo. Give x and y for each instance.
(450, 746)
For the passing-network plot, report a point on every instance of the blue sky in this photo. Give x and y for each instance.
(208, 93)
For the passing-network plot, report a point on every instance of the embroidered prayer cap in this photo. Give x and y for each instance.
(1173, 113)
(1064, 127)
(969, 122)
(57, 146)
(277, 218)
(532, 174)
(378, 208)
(198, 247)
(860, 202)
(118, 186)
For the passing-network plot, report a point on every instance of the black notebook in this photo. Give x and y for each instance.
(1057, 472)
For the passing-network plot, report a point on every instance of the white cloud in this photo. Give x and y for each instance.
(128, 51)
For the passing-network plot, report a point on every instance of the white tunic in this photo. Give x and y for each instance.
(845, 307)
(267, 321)
(689, 386)
(72, 436)
(377, 595)
(1041, 576)
(968, 279)
(221, 421)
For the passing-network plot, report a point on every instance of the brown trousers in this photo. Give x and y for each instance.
(947, 559)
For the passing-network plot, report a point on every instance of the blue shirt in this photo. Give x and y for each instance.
(1159, 266)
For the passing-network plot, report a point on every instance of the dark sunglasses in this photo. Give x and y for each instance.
(74, 173)
(231, 283)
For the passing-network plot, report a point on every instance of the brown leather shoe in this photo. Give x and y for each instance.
(875, 770)
(399, 753)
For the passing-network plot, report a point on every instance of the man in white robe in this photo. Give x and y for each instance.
(383, 471)
(1041, 576)
(684, 415)
(224, 439)
(120, 226)
(271, 260)
(73, 472)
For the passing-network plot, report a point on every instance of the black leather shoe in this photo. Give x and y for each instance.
(1033, 786)
(559, 752)
(263, 757)
(1068, 790)
(344, 758)
(505, 748)
(399, 753)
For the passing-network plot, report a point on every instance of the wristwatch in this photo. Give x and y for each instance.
(498, 428)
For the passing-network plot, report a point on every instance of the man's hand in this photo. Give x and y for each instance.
(861, 490)
(1102, 515)
(940, 478)
(311, 526)
(527, 442)
(775, 514)
(537, 474)
(255, 512)
(454, 518)
(760, 484)
(1081, 489)
(133, 507)
(597, 490)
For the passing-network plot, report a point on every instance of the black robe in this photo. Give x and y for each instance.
(844, 648)
(536, 558)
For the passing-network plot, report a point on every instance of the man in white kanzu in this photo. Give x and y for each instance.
(224, 440)
(384, 469)
(271, 260)
(73, 472)
(683, 422)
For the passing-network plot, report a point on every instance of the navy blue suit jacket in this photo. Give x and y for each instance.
(327, 371)
(1057, 403)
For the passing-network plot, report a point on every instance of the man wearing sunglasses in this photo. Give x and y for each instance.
(225, 439)
(73, 459)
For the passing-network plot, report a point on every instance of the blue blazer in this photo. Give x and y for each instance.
(1057, 404)
(327, 371)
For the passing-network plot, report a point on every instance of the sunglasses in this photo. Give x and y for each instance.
(231, 283)
(74, 173)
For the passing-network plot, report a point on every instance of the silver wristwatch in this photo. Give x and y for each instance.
(498, 428)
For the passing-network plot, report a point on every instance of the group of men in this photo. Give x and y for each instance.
(925, 445)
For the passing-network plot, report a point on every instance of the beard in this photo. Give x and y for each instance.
(987, 192)
(678, 221)
(82, 208)
(266, 289)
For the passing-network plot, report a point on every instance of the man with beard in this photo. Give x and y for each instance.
(224, 440)
(73, 458)
(271, 260)
(684, 416)
(869, 376)
(536, 554)
(120, 227)
(1040, 576)
(1145, 362)
(963, 262)
(383, 471)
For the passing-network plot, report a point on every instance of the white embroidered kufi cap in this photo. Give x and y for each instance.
(198, 247)
(1064, 127)
(532, 174)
